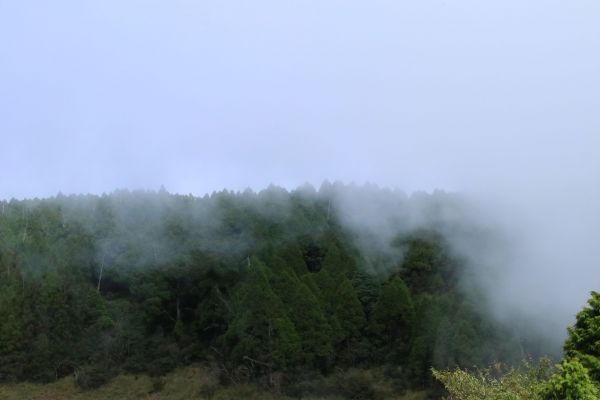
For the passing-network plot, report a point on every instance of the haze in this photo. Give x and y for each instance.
(498, 100)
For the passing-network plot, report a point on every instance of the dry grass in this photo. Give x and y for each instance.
(179, 385)
(182, 384)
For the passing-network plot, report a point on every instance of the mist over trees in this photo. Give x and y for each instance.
(268, 286)
(575, 378)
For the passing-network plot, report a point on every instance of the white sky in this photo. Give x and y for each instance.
(205, 95)
(496, 98)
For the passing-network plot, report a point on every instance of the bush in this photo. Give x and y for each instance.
(158, 384)
(93, 376)
(494, 383)
(571, 382)
(162, 366)
(355, 385)
(306, 384)
(208, 390)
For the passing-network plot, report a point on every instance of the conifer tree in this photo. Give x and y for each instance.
(393, 317)
(306, 313)
(584, 336)
(261, 331)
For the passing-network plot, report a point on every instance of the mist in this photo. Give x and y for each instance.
(496, 103)
(532, 252)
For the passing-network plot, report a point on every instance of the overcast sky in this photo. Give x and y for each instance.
(500, 99)
(205, 95)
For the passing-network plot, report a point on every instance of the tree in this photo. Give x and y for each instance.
(393, 317)
(348, 309)
(13, 339)
(336, 263)
(494, 383)
(573, 379)
(306, 312)
(570, 382)
(584, 336)
(261, 332)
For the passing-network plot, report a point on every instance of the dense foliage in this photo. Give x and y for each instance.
(575, 378)
(524, 383)
(269, 286)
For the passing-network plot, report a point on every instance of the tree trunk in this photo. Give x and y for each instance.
(100, 276)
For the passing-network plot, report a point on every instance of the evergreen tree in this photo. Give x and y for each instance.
(144, 282)
(584, 336)
(261, 332)
(306, 313)
(350, 314)
(393, 317)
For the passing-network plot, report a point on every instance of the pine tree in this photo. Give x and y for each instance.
(261, 332)
(348, 309)
(306, 313)
(393, 317)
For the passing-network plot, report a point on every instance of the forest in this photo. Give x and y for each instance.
(279, 289)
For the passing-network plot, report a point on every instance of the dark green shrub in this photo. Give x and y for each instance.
(355, 385)
(208, 390)
(307, 384)
(93, 376)
(158, 384)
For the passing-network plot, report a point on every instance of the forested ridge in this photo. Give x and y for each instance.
(270, 287)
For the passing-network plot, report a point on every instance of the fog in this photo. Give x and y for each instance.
(497, 101)
(533, 254)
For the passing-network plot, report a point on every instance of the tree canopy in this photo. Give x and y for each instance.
(261, 284)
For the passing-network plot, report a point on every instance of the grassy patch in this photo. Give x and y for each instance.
(182, 384)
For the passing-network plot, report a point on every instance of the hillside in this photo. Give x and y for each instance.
(276, 288)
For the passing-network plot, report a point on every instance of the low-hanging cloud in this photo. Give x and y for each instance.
(497, 101)
(530, 241)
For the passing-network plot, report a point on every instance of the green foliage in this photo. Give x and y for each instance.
(570, 382)
(145, 282)
(578, 376)
(575, 377)
(348, 309)
(92, 377)
(355, 385)
(584, 337)
(261, 331)
(494, 383)
(393, 317)
(424, 261)
(306, 313)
